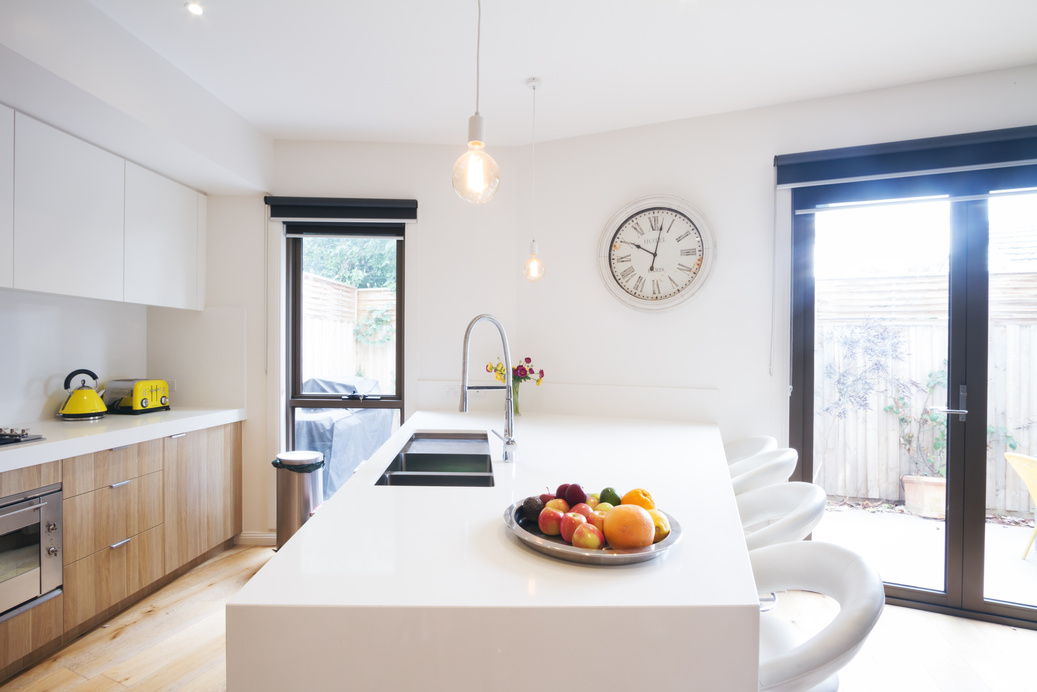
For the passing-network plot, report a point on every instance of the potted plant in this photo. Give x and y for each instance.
(923, 437)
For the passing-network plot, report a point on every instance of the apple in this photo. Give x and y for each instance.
(582, 508)
(588, 536)
(574, 494)
(603, 507)
(550, 521)
(546, 497)
(561, 490)
(570, 521)
(598, 519)
(592, 501)
(559, 504)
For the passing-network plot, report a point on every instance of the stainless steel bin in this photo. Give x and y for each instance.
(300, 490)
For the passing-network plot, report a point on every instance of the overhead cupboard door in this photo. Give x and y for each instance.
(6, 197)
(68, 214)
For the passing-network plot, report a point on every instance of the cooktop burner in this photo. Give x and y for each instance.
(10, 436)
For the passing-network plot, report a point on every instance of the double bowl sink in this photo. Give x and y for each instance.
(441, 459)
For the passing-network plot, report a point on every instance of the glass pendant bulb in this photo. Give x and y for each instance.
(534, 267)
(476, 176)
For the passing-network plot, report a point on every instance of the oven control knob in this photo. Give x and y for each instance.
(52, 527)
(52, 551)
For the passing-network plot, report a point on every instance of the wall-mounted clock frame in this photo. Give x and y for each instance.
(656, 252)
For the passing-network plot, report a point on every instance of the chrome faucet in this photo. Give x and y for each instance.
(509, 441)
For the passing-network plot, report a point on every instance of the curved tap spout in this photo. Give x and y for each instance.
(509, 440)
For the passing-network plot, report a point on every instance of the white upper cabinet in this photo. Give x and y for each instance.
(68, 214)
(6, 197)
(162, 241)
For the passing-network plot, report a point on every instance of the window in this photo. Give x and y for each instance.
(344, 326)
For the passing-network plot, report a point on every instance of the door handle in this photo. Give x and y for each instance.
(961, 410)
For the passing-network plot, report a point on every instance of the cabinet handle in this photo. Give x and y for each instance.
(118, 485)
(115, 449)
(23, 509)
(173, 437)
(122, 542)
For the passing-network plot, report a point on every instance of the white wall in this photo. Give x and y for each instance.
(46, 337)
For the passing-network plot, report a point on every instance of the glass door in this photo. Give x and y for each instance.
(1009, 561)
(881, 345)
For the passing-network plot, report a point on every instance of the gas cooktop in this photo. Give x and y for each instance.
(10, 436)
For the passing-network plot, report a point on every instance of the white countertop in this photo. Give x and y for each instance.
(423, 550)
(64, 439)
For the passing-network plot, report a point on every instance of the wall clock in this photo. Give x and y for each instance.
(656, 252)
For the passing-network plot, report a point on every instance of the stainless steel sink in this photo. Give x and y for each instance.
(441, 459)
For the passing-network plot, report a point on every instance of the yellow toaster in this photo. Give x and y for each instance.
(136, 396)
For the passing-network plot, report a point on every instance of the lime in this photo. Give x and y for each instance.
(609, 495)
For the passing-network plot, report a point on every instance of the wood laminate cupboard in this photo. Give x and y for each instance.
(6, 197)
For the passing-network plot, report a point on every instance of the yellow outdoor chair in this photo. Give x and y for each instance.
(1026, 467)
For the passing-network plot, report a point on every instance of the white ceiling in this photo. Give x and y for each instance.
(404, 70)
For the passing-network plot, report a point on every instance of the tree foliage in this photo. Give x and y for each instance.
(359, 262)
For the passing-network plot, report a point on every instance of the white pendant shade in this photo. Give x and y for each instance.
(476, 176)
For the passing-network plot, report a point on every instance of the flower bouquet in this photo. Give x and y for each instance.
(520, 373)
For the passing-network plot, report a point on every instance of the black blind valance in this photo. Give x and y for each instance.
(343, 209)
(977, 150)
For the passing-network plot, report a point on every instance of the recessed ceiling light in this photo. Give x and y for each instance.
(194, 8)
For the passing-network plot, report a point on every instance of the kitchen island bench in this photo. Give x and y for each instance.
(391, 588)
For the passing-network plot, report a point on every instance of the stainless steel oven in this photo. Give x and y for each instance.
(30, 548)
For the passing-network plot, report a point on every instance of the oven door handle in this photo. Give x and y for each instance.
(23, 509)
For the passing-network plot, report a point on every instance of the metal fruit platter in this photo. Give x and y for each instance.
(557, 548)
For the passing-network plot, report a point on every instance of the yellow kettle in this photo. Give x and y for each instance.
(83, 402)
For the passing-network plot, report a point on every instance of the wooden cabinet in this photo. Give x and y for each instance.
(202, 492)
(6, 197)
(162, 241)
(68, 214)
(112, 517)
(25, 632)
(108, 576)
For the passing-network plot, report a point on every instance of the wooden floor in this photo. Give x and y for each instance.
(174, 640)
(171, 640)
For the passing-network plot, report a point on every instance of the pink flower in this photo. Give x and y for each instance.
(529, 360)
(521, 371)
(541, 373)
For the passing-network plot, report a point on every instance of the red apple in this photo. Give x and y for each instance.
(561, 490)
(559, 504)
(588, 536)
(570, 521)
(546, 497)
(582, 508)
(597, 519)
(550, 521)
(574, 494)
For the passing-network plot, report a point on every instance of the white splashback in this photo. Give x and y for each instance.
(45, 337)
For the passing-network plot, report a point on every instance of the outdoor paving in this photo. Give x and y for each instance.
(909, 550)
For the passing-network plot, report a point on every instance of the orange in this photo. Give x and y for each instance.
(662, 524)
(629, 526)
(640, 497)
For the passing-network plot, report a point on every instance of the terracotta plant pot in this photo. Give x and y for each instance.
(925, 496)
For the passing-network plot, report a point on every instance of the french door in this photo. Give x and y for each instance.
(914, 371)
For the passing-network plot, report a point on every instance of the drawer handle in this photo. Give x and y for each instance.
(173, 437)
(122, 542)
(115, 449)
(118, 485)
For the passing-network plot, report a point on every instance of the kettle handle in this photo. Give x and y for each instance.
(81, 371)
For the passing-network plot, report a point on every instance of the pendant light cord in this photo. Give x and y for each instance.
(533, 165)
(478, 42)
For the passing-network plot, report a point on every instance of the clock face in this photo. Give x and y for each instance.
(655, 253)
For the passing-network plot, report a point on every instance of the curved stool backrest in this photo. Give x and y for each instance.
(1026, 467)
(749, 447)
(764, 469)
(823, 568)
(780, 513)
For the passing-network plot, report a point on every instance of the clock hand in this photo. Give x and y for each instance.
(658, 239)
(638, 247)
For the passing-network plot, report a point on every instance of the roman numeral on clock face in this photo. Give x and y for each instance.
(626, 273)
(656, 288)
(622, 258)
(688, 251)
(639, 284)
(683, 235)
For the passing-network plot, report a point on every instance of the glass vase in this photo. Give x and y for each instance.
(515, 397)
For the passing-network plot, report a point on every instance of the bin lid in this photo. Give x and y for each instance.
(300, 458)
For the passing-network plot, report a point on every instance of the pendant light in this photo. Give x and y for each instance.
(476, 176)
(533, 269)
